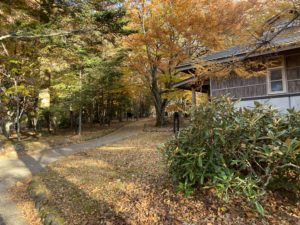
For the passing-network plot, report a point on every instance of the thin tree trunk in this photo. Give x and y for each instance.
(18, 113)
(80, 107)
(80, 121)
(71, 119)
(18, 119)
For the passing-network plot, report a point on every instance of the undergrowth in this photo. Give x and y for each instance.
(240, 152)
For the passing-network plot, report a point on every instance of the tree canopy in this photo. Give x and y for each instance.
(171, 32)
(96, 61)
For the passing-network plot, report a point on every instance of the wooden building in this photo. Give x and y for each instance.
(280, 83)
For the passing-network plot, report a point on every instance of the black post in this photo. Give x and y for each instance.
(176, 122)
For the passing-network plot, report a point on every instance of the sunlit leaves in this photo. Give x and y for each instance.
(242, 151)
(171, 32)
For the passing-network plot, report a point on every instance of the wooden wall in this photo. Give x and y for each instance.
(239, 87)
(293, 73)
(257, 86)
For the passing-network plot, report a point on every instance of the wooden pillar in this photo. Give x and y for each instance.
(194, 99)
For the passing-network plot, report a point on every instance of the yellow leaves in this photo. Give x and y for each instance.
(171, 32)
(174, 108)
(222, 209)
(57, 59)
(21, 89)
(245, 69)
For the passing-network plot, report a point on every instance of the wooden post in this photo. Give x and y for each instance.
(176, 121)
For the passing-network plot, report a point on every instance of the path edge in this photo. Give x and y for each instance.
(40, 197)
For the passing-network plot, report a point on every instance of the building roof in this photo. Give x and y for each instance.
(280, 35)
(280, 43)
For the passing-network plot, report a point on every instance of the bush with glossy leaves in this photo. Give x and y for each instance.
(237, 151)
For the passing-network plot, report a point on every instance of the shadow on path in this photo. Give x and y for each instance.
(78, 204)
(107, 172)
(1, 220)
(14, 170)
(31, 164)
(76, 199)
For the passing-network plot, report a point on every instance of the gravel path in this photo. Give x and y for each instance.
(16, 169)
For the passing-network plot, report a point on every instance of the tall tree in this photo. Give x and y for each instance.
(39, 33)
(170, 32)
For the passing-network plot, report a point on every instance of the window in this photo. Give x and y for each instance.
(276, 80)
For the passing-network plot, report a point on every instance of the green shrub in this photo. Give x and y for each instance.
(237, 151)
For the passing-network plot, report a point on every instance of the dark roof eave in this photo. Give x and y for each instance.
(187, 83)
(190, 66)
(184, 82)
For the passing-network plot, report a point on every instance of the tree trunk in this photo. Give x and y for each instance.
(6, 129)
(160, 106)
(47, 116)
(18, 121)
(34, 123)
(80, 121)
(80, 109)
(159, 103)
(160, 116)
(71, 119)
(120, 113)
(18, 113)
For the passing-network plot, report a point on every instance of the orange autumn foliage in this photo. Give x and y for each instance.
(170, 32)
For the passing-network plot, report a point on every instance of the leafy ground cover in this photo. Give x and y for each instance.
(32, 142)
(128, 183)
(244, 152)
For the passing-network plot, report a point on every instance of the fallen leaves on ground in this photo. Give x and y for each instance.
(127, 183)
(20, 195)
(33, 143)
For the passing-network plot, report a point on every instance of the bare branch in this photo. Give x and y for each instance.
(5, 37)
(29, 36)
(4, 49)
(290, 165)
(269, 40)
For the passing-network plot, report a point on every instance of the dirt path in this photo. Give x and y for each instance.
(16, 169)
